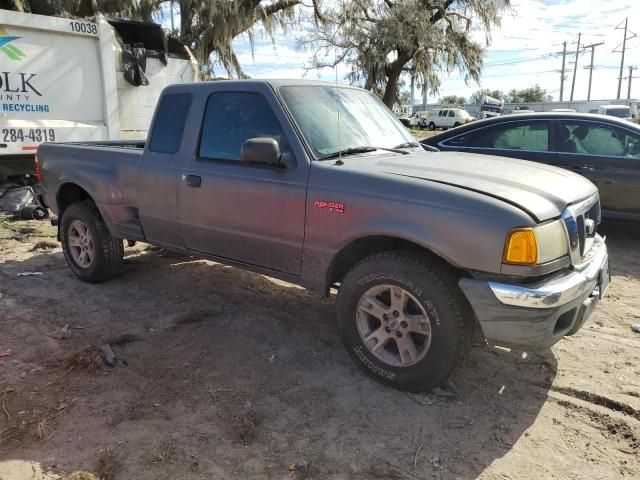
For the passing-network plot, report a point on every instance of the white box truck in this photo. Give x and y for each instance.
(63, 79)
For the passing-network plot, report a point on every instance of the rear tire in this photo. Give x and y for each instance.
(90, 250)
(457, 124)
(403, 320)
(432, 126)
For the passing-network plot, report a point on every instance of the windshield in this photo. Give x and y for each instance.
(618, 112)
(364, 119)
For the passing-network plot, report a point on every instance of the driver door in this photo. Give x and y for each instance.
(253, 214)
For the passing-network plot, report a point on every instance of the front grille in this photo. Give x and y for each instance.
(581, 220)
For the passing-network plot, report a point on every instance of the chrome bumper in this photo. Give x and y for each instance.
(558, 290)
(537, 315)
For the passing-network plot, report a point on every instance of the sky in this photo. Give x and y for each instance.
(523, 51)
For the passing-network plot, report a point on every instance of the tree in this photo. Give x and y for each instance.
(529, 95)
(477, 96)
(453, 100)
(208, 27)
(383, 38)
(404, 98)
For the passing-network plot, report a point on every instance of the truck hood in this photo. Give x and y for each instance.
(540, 190)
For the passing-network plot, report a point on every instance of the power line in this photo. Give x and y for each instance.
(515, 61)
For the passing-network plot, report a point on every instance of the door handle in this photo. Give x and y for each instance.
(581, 168)
(193, 181)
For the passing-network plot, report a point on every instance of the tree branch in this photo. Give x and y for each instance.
(279, 6)
(441, 13)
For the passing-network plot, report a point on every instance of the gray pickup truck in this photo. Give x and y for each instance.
(320, 185)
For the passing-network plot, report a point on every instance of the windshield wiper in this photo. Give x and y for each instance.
(361, 149)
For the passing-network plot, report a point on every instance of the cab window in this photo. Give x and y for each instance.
(230, 119)
(169, 123)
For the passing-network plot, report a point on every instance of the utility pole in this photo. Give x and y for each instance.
(629, 86)
(564, 57)
(624, 47)
(590, 67)
(575, 67)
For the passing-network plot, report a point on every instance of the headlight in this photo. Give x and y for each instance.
(540, 244)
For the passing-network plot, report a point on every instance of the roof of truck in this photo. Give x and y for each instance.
(274, 83)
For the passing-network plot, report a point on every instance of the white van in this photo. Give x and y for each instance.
(620, 111)
(63, 79)
(447, 118)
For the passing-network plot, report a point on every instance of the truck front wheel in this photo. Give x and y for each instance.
(402, 318)
(89, 249)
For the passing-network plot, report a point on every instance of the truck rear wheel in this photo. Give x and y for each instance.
(91, 252)
(401, 317)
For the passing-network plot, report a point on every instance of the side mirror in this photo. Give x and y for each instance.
(260, 150)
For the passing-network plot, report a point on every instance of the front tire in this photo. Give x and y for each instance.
(90, 250)
(403, 320)
(432, 126)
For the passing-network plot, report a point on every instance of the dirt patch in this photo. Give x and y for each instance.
(88, 358)
(230, 374)
(107, 466)
(244, 428)
(612, 428)
(44, 245)
(599, 400)
(80, 476)
(165, 454)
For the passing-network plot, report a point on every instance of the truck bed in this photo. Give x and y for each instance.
(107, 169)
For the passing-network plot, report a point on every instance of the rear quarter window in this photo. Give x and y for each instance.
(169, 123)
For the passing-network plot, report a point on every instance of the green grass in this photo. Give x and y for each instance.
(6, 222)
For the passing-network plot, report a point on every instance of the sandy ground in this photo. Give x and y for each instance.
(234, 375)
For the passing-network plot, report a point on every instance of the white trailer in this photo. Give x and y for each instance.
(62, 80)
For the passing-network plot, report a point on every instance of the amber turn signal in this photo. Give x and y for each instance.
(521, 247)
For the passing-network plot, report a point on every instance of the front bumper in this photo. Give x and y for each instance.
(537, 315)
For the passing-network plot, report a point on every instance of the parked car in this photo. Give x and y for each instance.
(404, 120)
(414, 120)
(422, 250)
(447, 118)
(604, 149)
